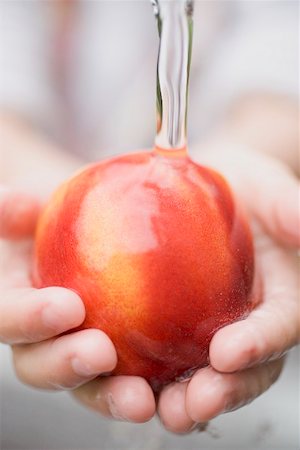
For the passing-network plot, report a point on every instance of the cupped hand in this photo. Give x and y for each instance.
(33, 322)
(246, 358)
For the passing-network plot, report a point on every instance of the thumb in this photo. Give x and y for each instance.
(273, 327)
(18, 214)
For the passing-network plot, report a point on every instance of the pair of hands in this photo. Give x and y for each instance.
(246, 357)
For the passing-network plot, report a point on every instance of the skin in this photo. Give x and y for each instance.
(256, 346)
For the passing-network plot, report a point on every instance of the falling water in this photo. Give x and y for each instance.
(175, 26)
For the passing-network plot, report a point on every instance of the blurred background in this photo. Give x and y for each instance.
(84, 73)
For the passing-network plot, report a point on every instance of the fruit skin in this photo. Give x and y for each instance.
(158, 252)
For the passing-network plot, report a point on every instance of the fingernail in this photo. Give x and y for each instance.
(229, 407)
(83, 369)
(234, 405)
(200, 427)
(113, 409)
(193, 427)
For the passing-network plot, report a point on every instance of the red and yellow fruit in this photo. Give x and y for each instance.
(159, 253)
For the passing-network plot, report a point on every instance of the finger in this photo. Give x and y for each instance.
(122, 397)
(211, 393)
(18, 214)
(33, 315)
(272, 328)
(65, 362)
(172, 410)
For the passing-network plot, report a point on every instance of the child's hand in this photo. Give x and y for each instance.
(32, 320)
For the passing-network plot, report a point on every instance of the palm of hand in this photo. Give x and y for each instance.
(246, 357)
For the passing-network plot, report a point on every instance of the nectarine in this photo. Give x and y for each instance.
(159, 253)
